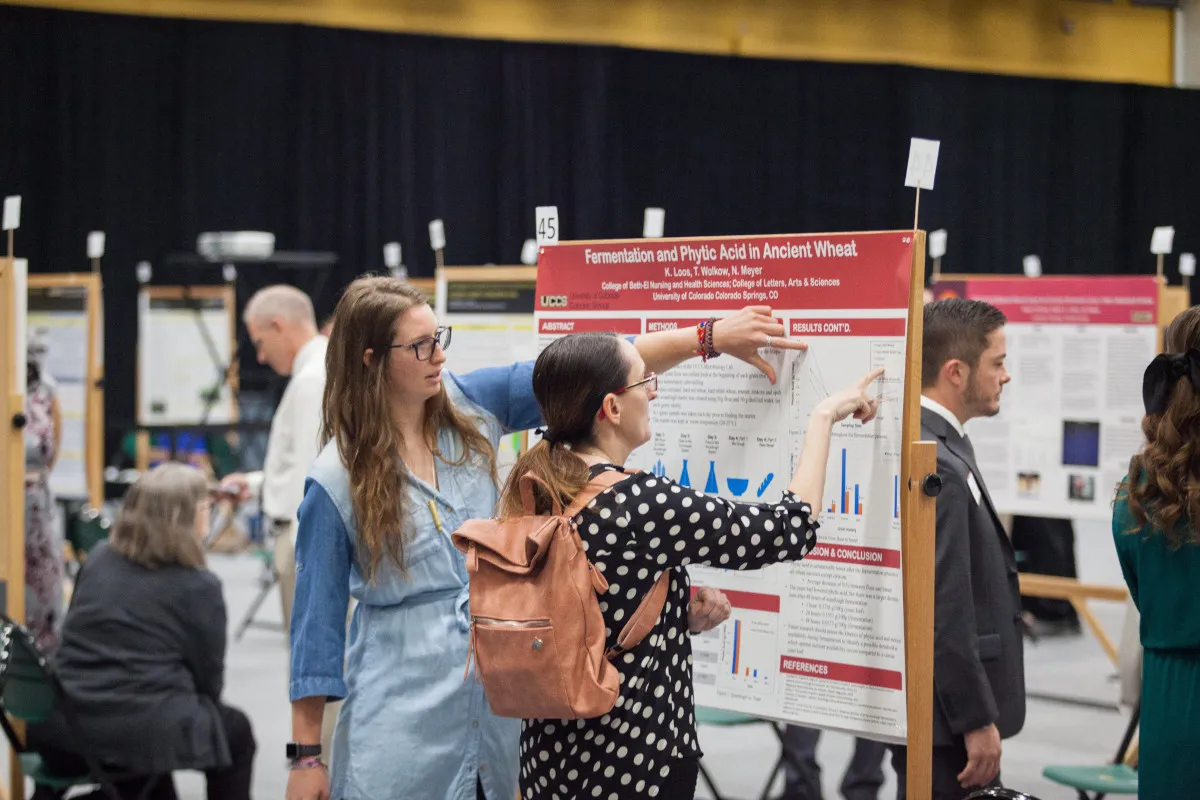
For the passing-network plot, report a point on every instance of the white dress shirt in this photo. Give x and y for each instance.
(944, 413)
(295, 436)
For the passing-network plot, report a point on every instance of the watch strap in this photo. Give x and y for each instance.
(296, 751)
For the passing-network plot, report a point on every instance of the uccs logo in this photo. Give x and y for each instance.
(554, 301)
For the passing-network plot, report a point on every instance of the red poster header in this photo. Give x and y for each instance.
(654, 325)
(624, 326)
(1072, 301)
(849, 554)
(846, 673)
(847, 327)
(751, 601)
(811, 271)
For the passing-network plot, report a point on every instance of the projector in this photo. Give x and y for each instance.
(235, 245)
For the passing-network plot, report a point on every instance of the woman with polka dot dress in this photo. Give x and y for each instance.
(595, 392)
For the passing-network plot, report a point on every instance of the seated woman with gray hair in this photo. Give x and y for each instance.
(143, 653)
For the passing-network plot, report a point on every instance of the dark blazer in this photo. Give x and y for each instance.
(143, 659)
(978, 654)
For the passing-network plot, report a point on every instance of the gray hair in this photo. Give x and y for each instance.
(157, 524)
(283, 301)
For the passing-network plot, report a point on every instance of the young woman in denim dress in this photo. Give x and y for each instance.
(410, 456)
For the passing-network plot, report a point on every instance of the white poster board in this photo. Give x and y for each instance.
(491, 312)
(818, 642)
(58, 315)
(1070, 420)
(178, 365)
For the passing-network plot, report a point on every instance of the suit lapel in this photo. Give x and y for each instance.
(958, 446)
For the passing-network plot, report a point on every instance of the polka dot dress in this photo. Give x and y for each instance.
(632, 532)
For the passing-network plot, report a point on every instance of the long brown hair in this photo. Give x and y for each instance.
(570, 380)
(1163, 484)
(356, 413)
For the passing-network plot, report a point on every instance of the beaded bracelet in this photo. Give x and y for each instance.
(313, 762)
(704, 339)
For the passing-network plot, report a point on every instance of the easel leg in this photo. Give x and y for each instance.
(919, 535)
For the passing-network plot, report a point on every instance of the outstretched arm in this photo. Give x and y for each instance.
(740, 335)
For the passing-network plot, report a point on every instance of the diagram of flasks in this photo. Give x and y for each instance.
(735, 487)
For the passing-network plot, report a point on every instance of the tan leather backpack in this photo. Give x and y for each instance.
(537, 633)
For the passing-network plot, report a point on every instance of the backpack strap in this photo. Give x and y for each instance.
(598, 483)
(646, 615)
(644, 618)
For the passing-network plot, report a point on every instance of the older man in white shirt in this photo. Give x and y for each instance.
(283, 328)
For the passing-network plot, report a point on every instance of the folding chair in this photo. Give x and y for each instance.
(728, 719)
(30, 691)
(1119, 777)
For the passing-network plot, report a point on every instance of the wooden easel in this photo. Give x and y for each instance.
(94, 413)
(918, 533)
(227, 296)
(12, 467)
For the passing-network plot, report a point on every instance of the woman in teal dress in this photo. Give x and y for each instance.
(1154, 526)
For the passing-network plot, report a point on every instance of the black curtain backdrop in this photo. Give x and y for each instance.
(155, 130)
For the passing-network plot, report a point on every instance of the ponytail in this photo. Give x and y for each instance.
(561, 470)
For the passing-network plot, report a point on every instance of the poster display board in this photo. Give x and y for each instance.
(61, 314)
(185, 343)
(1071, 418)
(491, 312)
(819, 642)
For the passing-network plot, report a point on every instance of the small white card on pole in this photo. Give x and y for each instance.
(96, 244)
(391, 254)
(12, 212)
(1033, 266)
(547, 225)
(653, 223)
(1187, 265)
(437, 235)
(529, 252)
(922, 163)
(937, 243)
(1163, 240)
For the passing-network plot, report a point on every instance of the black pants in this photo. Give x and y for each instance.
(802, 773)
(231, 783)
(948, 764)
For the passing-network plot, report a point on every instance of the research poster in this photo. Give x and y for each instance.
(490, 310)
(818, 642)
(1070, 419)
(184, 348)
(58, 316)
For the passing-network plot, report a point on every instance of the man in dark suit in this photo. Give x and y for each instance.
(978, 661)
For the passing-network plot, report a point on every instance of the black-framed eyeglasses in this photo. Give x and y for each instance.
(650, 382)
(423, 348)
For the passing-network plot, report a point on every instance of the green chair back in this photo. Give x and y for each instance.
(28, 691)
(87, 529)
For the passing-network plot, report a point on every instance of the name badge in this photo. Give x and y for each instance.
(974, 487)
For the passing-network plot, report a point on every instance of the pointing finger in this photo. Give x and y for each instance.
(865, 382)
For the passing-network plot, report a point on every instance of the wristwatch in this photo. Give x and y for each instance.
(297, 751)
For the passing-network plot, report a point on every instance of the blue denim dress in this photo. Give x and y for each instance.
(411, 726)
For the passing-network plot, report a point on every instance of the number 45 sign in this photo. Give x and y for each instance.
(547, 225)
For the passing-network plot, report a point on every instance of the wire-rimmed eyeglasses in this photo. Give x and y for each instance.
(423, 348)
(650, 382)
